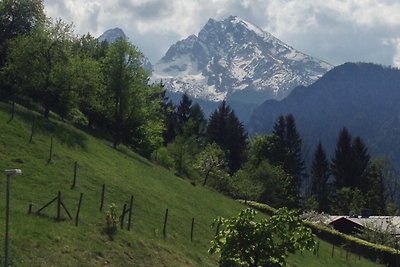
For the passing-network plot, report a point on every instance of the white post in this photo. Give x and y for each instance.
(9, 174)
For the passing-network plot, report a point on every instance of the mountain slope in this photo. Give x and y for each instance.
(234, 59)
(41, 241)
(362, 97)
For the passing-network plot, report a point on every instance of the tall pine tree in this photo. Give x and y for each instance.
(361, 160)
(183, 111)
(319, 177)
(227, 131)
(341, 165)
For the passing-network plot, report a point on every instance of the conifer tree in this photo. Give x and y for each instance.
(294, 163)
(198, 121)
(341, 165)
(228, 132)
(376, 197)
(279, 131)
(287, 152)
(183, 111)
(319, 177)
(171, 122)
(360, 163)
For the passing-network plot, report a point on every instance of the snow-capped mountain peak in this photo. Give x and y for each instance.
(234, 56)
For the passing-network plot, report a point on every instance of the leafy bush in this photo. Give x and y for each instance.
(111, 220)
(242, 241)
(162, 157)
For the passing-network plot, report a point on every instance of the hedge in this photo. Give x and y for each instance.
(374, 252)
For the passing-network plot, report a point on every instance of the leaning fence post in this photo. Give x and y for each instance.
(79, 209)
(102, 196)
(51, 150)
(58, 206)
(191, 230)
(130, 213)
(333, 249)
(74, 179)
(12, 111)
(165, 224)
(30, 208)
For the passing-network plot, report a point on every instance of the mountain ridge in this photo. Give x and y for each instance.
(234, 56)
(362, 97)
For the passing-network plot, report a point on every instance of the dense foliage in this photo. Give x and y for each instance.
(242, 241)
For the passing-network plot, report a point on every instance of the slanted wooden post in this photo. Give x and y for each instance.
(51, 150)
(74, 179)
(79, 209)
(165, 224)
(30, 208)
(12, 111)
(130, 213)
(59, 206)
(102, 196)
(191, 230)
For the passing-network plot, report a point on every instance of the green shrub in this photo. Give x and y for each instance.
(162, 157)
(111, 220)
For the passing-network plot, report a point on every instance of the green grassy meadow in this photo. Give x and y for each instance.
(42, 241)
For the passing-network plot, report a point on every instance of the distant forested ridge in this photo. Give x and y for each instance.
(362, 97)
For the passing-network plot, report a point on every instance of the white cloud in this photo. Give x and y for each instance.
(333, 30)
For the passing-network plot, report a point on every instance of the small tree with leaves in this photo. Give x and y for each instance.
(242, 241)
(211, 161)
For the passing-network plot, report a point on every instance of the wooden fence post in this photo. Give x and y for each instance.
(74, 179)
(102, 196)
(79, 209)
(59, 206)
(191, 230)
(165, 224)
(30, 208)
(333, 250)
(51, 150)
(130, 213)
(12, 111)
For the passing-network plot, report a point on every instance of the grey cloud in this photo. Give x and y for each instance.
(148, 10)
(153, 46)
(93, 18)
(326, 30)
(154, 9)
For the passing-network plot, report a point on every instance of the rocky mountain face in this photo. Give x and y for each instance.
(236, 61)
(113, 34)
(362, 97)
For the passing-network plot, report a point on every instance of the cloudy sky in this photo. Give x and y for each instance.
(336, 31)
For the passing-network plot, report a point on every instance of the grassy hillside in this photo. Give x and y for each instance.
(42, 241)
